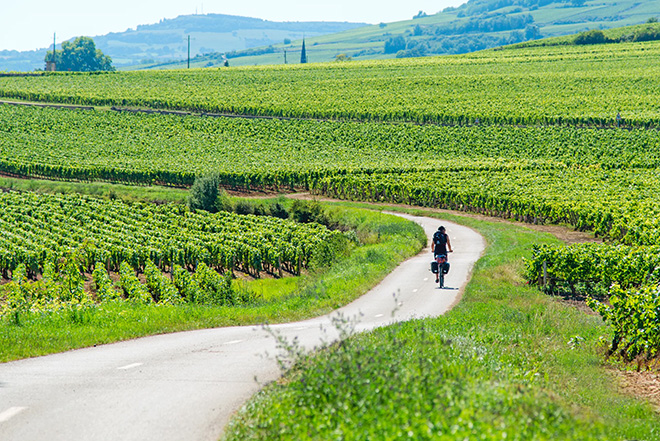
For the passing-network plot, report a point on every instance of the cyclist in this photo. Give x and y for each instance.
(441, 245)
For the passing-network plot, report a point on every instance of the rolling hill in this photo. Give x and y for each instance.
(475, 25)
(167, 40)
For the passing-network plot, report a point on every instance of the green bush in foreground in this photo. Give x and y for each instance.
(204, 192)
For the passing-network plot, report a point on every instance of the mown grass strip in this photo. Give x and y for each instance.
(507, 363)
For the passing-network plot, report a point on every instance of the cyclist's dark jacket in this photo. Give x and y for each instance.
(440, 243)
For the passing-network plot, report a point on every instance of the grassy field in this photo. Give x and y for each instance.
(505, 363)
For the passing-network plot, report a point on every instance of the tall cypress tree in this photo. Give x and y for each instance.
(303, 54)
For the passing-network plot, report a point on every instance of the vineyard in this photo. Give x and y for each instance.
(51, 244)
(621, 206)
(539, 85)
(527, 134)
(172, 150)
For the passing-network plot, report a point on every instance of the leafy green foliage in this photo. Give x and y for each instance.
(641, 33)
(308, 211)
(591, 269)
(187, 285)
(60, 289)
(634, 316)
(134, 291)
(395, 44)
(595, 36)
(162, 289)
(204, 193)
(80, 55)
(105, 290)
(112, 232)
(217, 289)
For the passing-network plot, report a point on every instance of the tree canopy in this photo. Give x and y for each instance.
(594, 36)
(80, 55)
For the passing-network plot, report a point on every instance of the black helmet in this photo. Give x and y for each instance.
(441, 228)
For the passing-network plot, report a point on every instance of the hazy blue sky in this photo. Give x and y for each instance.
(29, 24)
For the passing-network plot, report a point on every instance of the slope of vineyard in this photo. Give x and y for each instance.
(524, 133)
(537, 85)
(604, 180)
(44, 235)
(44, 228)
(169, 149)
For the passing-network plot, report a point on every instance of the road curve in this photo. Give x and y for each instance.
(186, 386)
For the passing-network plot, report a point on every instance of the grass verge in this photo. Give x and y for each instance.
(386, 241)
(127, 193)
(507, 363)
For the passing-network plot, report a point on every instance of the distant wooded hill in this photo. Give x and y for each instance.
(475, 25)
(167, 40)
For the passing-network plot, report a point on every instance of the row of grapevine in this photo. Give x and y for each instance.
(591, 269)
(63, 290)
(172, 150)
(40, 229)
(542, 85)
(574, 196)
(634, 315)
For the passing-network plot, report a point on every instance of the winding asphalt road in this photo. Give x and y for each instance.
(185, 386)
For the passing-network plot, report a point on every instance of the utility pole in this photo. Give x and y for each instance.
(284, 56)
(188, 51)
(50, 65)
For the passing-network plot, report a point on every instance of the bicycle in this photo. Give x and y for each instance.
(440, 267)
